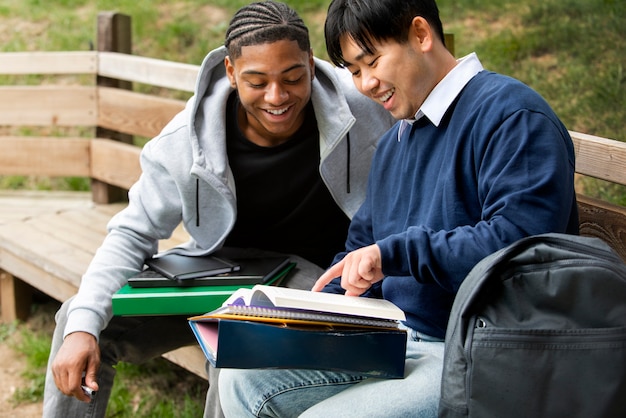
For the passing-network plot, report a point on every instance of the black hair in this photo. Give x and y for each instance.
(366, 21)
(265, 22)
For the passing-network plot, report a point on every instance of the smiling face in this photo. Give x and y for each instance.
(273, 81)
(400, 76)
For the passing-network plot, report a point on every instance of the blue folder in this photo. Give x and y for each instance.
(377, 352)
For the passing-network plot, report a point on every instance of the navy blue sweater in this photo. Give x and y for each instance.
(499, 167)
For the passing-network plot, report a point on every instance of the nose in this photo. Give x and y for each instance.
(275, 94)
(369, 82)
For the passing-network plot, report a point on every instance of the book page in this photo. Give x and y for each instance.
(324, 302)
(241, 296)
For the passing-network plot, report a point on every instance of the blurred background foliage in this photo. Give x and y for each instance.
(573, 52)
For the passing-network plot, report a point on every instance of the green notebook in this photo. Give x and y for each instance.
(191, 300)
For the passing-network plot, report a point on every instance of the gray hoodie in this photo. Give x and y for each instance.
(186, 178)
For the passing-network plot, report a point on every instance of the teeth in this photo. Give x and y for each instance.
(387, 96)
(277, 112)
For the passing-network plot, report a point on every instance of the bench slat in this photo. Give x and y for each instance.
(48, 105)
(599, 157)
(173, 75)
(46, 156)
(63, 228)
(115, 162)
(73, 62)
(34, 244)
(20, 205)
(603, 220)
(135, 113)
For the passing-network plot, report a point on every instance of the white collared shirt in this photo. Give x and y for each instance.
(445, 92)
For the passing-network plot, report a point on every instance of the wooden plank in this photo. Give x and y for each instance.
(64, 229)
(603, 220)
(599, 157)
(60, 288)
(96, 218)
(21, 205)
(135, 113)
(27, 246)
(15, 298)
(44, 156)
(114, 162)
(110, 209)
(173, 75)
(191, 358)
(74, 62)
(114, 35)
(48, 105)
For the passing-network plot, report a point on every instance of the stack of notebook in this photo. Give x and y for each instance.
(181, 285)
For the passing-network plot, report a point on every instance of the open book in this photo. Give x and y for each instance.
(293, 306)
(276, 327)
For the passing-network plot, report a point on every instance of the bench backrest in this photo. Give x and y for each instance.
(604, 159)
(84, 127)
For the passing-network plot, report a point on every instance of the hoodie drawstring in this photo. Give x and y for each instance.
(348, 163)
(197, 202)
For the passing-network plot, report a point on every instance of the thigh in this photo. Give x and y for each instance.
(278, 393)
(417, 395)
(135, 339)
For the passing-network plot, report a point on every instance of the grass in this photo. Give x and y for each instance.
(139, 390)
(570, 51)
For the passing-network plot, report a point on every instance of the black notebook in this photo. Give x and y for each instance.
(252, 270)
(182, 267)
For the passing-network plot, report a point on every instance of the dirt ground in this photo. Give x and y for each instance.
(12, 364)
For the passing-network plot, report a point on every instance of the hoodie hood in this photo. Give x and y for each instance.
(208, 120)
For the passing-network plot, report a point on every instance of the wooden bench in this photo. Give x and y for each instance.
(82, 128)
(47, 239)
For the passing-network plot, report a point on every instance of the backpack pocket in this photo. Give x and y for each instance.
(575, 372)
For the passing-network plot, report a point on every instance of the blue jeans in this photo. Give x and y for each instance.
(316, 393)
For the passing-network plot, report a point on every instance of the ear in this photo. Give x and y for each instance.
(421, 34)
(230, 72)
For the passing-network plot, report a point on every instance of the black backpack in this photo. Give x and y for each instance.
(538, 329)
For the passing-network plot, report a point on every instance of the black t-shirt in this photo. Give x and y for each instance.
(282, 202)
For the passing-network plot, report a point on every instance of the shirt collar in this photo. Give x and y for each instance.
(445, 92)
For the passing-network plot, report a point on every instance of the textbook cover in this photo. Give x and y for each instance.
(376, 352)
(271, 327)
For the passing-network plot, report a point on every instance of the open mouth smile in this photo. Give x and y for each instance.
(386, 96)
(277, 112)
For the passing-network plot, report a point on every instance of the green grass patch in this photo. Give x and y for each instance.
(156, 388)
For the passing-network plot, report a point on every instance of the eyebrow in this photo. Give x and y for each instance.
(359, 57)
(293, 67)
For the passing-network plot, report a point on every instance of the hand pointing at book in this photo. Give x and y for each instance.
(359, 269)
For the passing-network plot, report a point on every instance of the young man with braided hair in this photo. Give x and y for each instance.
(477, 161)
(271, 152)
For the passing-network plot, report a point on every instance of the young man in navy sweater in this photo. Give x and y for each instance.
(477, 161)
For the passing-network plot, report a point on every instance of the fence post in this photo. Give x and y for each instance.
(114, 35)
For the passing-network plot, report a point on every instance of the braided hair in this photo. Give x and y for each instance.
(265, 22)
